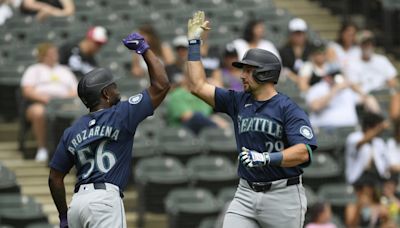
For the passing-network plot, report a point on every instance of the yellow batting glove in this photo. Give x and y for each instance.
(196, 25)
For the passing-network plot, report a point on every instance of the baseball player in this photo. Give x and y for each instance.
(274, 137)
(99, 144)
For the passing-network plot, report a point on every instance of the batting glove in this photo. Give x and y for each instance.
(251, 158)
(196, 26)
(63, 221)
(136, 42)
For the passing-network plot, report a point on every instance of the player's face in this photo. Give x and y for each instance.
(249, 84)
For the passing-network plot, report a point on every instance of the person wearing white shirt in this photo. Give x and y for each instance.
(345, 48)
(371, 71)
(366, 152)
(332, 104)
(253, 37)
(42, 82)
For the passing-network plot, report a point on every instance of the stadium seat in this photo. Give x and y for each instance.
(188, 207)
(310, 195)
(143, 147)
(209, 222)
(20, 211)
(212, 172)
(8, 181)
(40, 225)
(323, 169)
(327, 141)
(180, 143)
(220, 141)
(155, 177)
(226, 194)
(338, 195)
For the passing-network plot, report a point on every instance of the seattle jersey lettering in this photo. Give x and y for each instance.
(259, 124)
(97, 131)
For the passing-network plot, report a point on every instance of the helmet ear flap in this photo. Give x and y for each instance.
(262, 75)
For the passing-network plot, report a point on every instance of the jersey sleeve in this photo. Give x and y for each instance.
(297, 127)
(62, 159)
(137, 108)
(225, 101)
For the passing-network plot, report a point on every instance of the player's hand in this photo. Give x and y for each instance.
(251, 158)
(196, 25)
(136, 42)
(63, 221)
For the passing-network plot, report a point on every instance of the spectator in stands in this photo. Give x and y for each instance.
(253, 37)
(6, 11)
(210, 55)
(48, 8)
(366, 152)
(367, 210)
(80, 56)
(394, 109)
(297, 49)
(314, 70)
(185, 109)
(393, 147)
(228, 76)
(332, 103)
(40, 83)
(371, 71)
(176, 69)
(345, 48)
(390, 199)
(161, 49)
(320, 216)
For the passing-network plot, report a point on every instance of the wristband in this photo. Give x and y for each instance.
(275, 158)
(194, 50)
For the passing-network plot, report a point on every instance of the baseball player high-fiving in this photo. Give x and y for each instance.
(274, 137)
(99, 144)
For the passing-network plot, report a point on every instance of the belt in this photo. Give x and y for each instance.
(97, 186)
(267, 186)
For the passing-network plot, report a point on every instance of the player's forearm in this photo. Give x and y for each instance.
(158, 75)
(295, 155)
(57, 189)
(196, 76)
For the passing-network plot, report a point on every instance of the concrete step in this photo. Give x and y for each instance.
(10, 155)
(32, 172)
(9, 131)
(43, 190)
(37, 181)
(23, 164)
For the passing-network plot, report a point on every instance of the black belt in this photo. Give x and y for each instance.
(266, 186)
(99, 186)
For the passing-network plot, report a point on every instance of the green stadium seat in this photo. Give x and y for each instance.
(40, 225)
(143, 147)
(338, 195)
(220, 141)
(180, 143)
(324, 169)
(212, 172)
(155, 177)
(337, 221)
(20, 211)
(226, 195)
(327, 141)
(208, 222)
(188, 207)
(8, 181)
(310, 195)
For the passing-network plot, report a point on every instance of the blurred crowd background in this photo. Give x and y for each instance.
(185, 155)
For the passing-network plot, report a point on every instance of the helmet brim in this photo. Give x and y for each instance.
(247, 62)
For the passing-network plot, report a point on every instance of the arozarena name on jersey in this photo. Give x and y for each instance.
(102, 131)
(259, 124)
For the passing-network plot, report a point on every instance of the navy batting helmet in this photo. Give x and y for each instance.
(92, 84)
(267, 64)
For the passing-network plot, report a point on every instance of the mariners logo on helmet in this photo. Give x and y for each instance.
(268, 66)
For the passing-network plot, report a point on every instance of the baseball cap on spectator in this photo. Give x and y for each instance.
(230, 50)
(297, 25)
(180, 41)
(98, 34)
(365, 36)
